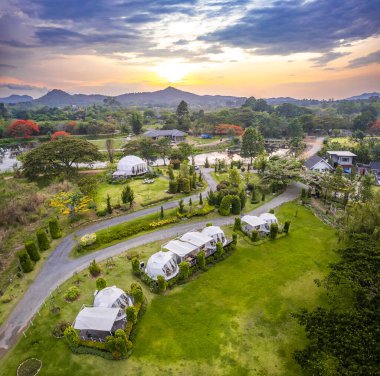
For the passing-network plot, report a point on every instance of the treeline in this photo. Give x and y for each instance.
(343, 339)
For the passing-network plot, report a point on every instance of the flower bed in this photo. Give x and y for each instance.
(29, 367)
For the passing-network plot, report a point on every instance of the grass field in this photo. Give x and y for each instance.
(118, 143)
(235, 319)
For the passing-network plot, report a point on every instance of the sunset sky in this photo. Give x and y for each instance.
(262, 48)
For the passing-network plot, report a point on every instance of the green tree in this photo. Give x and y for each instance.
(55, 231)
(135, 265)
(59, 156)
(207, 163)
(136, 123)
(127, 195)
(131, 314)
(110, 149)
(71, 336)
(235, 204)
(273, 231)
(201, 260)
(181, 206)
(42, 239)
(234, 176)
(225, 205)
(237, 224)
(365, 188)
(183, 116)
(25, 261)
(254, 235)
(252, 144)
(163, 148)
(94, 269)
(109, 206)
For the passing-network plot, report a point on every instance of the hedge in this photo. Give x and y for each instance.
(31, 248)
(42, 239)
(54, 229)
(25, 261)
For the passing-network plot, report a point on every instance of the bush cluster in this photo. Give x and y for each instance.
(87, 240)
(42, 240)
(72, 293)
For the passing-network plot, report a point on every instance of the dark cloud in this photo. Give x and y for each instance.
(7, 66)
(286, 27)
(21, 87)
(373, 58)
(326, 58)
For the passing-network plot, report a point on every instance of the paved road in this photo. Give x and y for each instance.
(59, 267)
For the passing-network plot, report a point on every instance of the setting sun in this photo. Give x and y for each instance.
(172, 71)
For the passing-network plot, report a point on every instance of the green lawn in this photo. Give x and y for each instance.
(118, 143)
(234, 319)
(144, 193)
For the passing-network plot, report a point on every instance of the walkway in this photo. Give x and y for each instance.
(59, 267)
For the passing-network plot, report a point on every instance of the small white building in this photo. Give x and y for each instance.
(183, 251)
(162, 263)
(318, 164)
(269, 218)
(251, 222)
(130, 165)
(216, 233)
(201, 240)
(113, 297)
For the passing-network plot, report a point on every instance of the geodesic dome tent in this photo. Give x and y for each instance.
(216, 233)
(162, 263)
(113, 297)
(130, 165)
(199, 239)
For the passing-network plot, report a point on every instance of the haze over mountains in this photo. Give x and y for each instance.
(168, 97)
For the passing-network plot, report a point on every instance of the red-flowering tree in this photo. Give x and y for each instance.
(224, 128)
(59, 134)
(23, 128)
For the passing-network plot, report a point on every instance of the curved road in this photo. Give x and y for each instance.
(59, 267)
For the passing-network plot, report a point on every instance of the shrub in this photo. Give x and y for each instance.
(200, 199)
(263, 197)
(186, 185)
(173, 186)
(131, 314)
(101, 212)
(181, 206)
(243, 198)
(237, 224)
(234, 238)
(135, 265)
(87, 239)
(137, 295)
(42, 239)
(162, 214)
(162, 284)
(59, 329)
(72, 293)
(219, 250)
(72, 336)
(303, 193)
(101, 283)
(201, 260)
(254, 196)
(254, 235)
(184, 270)
(225, 205)
(6, 299)
(31, 248)
(207, 163)
(273, 230)
(286, 227)
(94, 269)
(235, 204)
(25, 261)
(271, 211)
(55, 231)
(109, 206)
(208, 224)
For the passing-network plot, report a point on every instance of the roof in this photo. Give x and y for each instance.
(165, 132)
(180, 248)
(212, 230)
(196, 238)
(341, 153)
(157, 261)
(108, 296)
(268, 217)
(374, 165)
(253, 221)
(312, 161)
(130, 160)
(96, 318)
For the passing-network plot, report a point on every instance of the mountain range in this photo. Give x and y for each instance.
(169, 97)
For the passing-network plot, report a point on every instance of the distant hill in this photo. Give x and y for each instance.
(363, 96)
(16, 99)
(168, 97)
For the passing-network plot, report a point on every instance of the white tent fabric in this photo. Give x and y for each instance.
(253, 221)
(216, 233)
(196, 238)
(131, 165)
(179, 248)
(108, 297)
(162, 263)
(269, 218)
(96, 318)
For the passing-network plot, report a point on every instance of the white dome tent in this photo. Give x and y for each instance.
(199, 239)
(113, 297)
(162, 263)
(216, 233)
(269, 218)
(130, 165)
